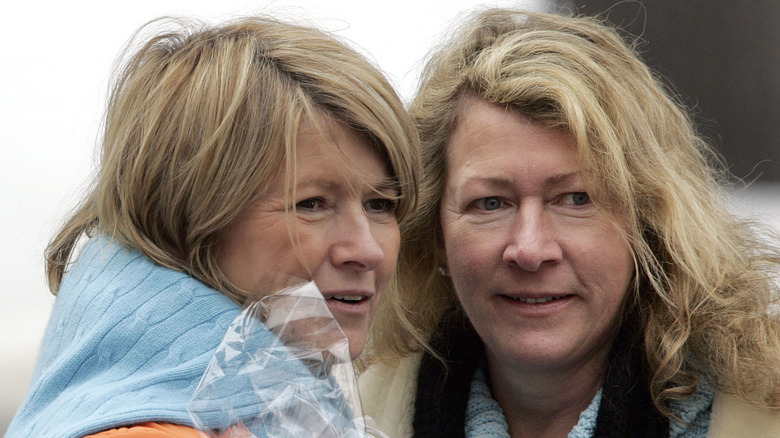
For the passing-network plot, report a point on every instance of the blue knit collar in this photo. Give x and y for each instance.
(127, 342)
(484, 417)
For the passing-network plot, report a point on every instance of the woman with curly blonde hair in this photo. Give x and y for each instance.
(573, 268)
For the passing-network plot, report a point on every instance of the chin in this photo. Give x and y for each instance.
(355, 348)
(356, 336)
(357, 341)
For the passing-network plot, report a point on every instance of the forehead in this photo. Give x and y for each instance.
(326, 138)
(328, 149)
(486, 131)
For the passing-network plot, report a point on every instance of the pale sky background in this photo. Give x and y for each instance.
(55, 63)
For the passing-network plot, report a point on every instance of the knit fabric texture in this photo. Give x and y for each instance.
(127, 342)
(484, 417)
(694, 412)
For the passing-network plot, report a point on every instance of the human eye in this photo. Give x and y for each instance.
(577, 198)
(381, 205)
(490, 203)
(310, 204)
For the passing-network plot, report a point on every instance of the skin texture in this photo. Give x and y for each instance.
(342, 232)
(540, 271)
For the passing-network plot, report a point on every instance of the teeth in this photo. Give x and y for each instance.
(347, 297)
(536, 300)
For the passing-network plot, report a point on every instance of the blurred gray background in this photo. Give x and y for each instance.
(720, 57)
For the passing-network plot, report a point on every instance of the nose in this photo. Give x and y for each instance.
(532, 240)
(355, 245)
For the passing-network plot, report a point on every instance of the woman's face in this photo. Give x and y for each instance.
(344, 223)
(541, 273)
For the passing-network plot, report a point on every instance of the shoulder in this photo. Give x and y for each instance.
(734, 418)
(387, 393)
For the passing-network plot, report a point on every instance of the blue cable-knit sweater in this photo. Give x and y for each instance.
(128, 342)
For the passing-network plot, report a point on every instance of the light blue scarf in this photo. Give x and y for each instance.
(128, 342)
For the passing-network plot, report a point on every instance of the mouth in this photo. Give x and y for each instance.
(349, 302)
(349, 299)
(538, 300)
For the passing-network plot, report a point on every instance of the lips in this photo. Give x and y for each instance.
(349, 298)
(538, 300)
(350, 302)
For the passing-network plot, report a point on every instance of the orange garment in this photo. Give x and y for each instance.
(164, 430)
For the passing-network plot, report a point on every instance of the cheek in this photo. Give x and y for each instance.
(619, 258)
(391, 242)
(236, 256)
(298, 257)
(622, 269)
(468, 262)
(389, 239)
(261, 258)
(468, 249)
(605, 261)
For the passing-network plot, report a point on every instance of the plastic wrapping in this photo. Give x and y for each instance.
(282, 370)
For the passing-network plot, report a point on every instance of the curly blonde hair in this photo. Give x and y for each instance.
(203, 119)
(705, 281)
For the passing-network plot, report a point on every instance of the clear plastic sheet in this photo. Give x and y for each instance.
(282, 370)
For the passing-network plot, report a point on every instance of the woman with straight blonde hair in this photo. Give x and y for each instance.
(572, 269)
(231, 154)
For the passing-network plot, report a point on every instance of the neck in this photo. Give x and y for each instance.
(544, 403)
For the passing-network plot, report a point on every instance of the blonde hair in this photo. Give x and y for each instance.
(203, 119)
(705, 281)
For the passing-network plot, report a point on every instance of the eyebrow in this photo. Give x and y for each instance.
(388, 183)
(384, 184)
(552, 181)
(557, 180)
